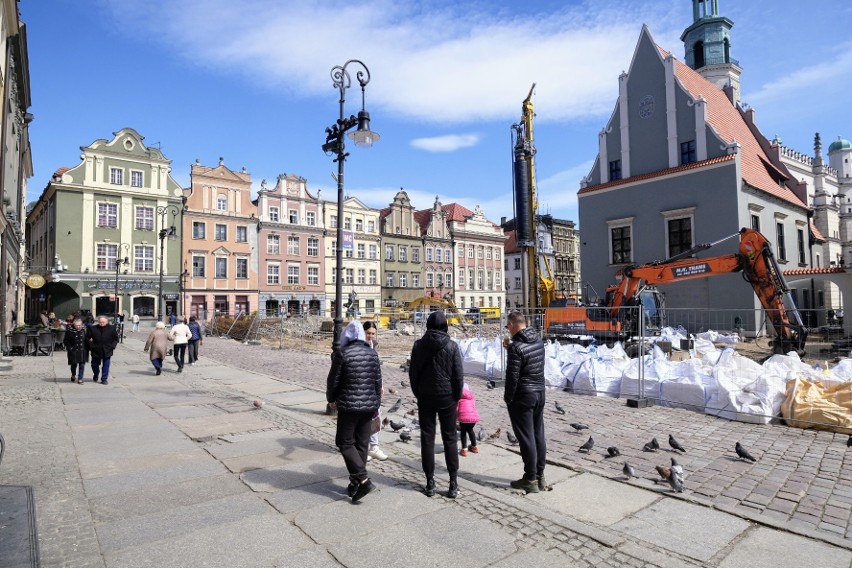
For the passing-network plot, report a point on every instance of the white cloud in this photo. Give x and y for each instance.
(447, 143)
(805, 81)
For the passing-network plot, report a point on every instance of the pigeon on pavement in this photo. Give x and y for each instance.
(590, 443)
(385, 422)
(395, 406)
(482, 434)
(404, 436)
(743, 453)
(396, 426)
(258, 403)
(578, 426)
(511, 437)
(559, 407)
(495, 435)
(675, 444)
(612, 452)
(677, 470)
(668, 475)
(628, 470)
(651, 446)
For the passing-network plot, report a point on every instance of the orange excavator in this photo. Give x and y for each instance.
(610, 321)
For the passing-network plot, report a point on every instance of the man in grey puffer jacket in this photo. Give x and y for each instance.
(524, 395)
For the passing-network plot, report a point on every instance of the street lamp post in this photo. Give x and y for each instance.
(165, 232)
(119, 261)
(182, 291)
(334, 145)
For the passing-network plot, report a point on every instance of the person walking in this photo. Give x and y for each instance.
(172, 319)
(437, 377)
(468, 417)
(180, 334)
(524, 397)
(375, 453)
(135, 320)
(76, 348)
(157, 345)
(195, 340)
(354, 388)
(102, 339)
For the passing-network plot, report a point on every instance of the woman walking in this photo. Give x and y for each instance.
(354, 387)
(180, 334)
(157, 346)
(437, 377)
(195, 340)
(370, 336)
(76, 347)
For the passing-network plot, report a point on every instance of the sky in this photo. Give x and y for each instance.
(250, 81)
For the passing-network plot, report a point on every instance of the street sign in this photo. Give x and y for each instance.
(35, 281)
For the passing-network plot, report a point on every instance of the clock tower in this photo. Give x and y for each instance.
(707, 45)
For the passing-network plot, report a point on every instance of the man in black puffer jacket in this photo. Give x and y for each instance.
(354, 386)
(524, 395)
(437, 378)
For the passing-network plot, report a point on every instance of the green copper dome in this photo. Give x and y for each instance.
(839, 144)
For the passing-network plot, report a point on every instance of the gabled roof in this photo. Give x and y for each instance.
(817, 235)
(658, 173)
(423, 217)
(457, 212)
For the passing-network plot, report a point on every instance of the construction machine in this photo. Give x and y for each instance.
(427, 304)
(610, 321)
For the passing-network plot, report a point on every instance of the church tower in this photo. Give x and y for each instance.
(707, 44)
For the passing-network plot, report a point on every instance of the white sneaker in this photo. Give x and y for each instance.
(377, 453)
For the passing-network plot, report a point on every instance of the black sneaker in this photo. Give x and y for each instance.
(363, 488)
(105, 382)
(351, 488)
(542, 484)
(527, 485)
(430, 488)
(453, 491)
(94, 379)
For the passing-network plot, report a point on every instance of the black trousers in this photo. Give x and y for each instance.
(526, 413)
(467, 430)
(180, 352)
(353, 439)
(447, 413)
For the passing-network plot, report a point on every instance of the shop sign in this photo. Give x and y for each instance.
(35, 281)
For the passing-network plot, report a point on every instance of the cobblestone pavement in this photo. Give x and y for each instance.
(801, 482)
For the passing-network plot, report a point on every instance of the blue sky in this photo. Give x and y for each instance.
(249, 81)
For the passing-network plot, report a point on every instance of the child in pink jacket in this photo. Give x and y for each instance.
(468, 417)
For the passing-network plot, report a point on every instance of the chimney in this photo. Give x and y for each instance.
(502, 221)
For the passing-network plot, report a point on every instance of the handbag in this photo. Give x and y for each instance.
(375, 423)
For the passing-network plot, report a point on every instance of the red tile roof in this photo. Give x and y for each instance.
(511, 244)
(423, 217)
(456, 212)
(817, 235)
(658, 173)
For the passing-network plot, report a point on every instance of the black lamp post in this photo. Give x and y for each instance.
(166, 232)
(334, 145)
(119, 261)
(182, 291)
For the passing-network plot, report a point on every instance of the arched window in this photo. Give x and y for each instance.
(699, 54)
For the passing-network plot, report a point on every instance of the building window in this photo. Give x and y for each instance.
(480, 280)
(374, 276)
(615, 170)
(518, 263)
(371, 226)
(389, 279)
(415, 254)
(782, 247)
(397, 230)
(350, 276)
(333, 223)
(800, 236)
(403, 253)
(116, 176)
(461, 277)
(687, 152)
(273, 273)
(415, 280)
(461, 252)
(293, 217)
(374, 252)
(273, 214)
(221, 232)
(333, 276)
(198, 266)
(488, 253)
(311, 218)
(222, 203)
(273, 244)
(429, 254)
(680, 235)
(388, 252)
(430, 280)
(497, 254)
(362, 276)
(108, 215)
(143, 258)
(106, 255)
(517, 282)
(145, 218)
(470, 281)
(313, 275)
(242, 234)
(292, 274)
(439, 255)
(293, 246)
(403, 280)
(755, 222)
(221, 268)
(313, 246)
(448, 280)
(362, 250)
(479, 253)
(199, 230)
(621, 247)
(242, 268)
(347, 223)
(497, 278)
(359, 225)
(470, 251)
(135, 178)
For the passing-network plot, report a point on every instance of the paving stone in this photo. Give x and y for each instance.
(206, 426)
(767, 548)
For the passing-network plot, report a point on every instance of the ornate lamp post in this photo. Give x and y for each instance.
(119, 261)
(170, 233)
(334, 145)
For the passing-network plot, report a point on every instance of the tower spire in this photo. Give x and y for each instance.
(707, 46)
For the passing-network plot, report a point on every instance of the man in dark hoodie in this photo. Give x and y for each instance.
(524, 395)
(437, 377)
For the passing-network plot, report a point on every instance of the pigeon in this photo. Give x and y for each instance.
(577, 426)
(490, 385)
(612, 452)
(395, 406)
(743, 453)
(495, 435)
(649, 447)
(258, 403)
(673, 479)
(385, 422)
(559, 407)
(511, 437)
(677, 470)
(590, 443)
(404, 436)
(403, 383)
(628, 470)
(655, 444)
(481, 435)
(675, 444)
(392, 390)
(397, 425)
(412, 412)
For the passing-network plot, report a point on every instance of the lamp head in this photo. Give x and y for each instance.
(172, 234)
(364, 137)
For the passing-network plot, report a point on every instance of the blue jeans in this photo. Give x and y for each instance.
(96, 364)
(77, 369)
(158, 363)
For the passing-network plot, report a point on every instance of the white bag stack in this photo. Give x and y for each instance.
(686, 386)
(747, 393)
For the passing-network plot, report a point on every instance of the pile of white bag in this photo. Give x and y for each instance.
(719, 382)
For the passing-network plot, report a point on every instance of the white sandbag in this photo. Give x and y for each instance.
(473, 357)
(675, 335)
(553, 373)
(716, 337)
(600, 377)
(746, 393)
(690, 382)
(840, 373)
(655, 371)
(790, 366)
(704, 349)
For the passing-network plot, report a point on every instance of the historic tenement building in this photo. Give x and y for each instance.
(438, 244)
(402, 253)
